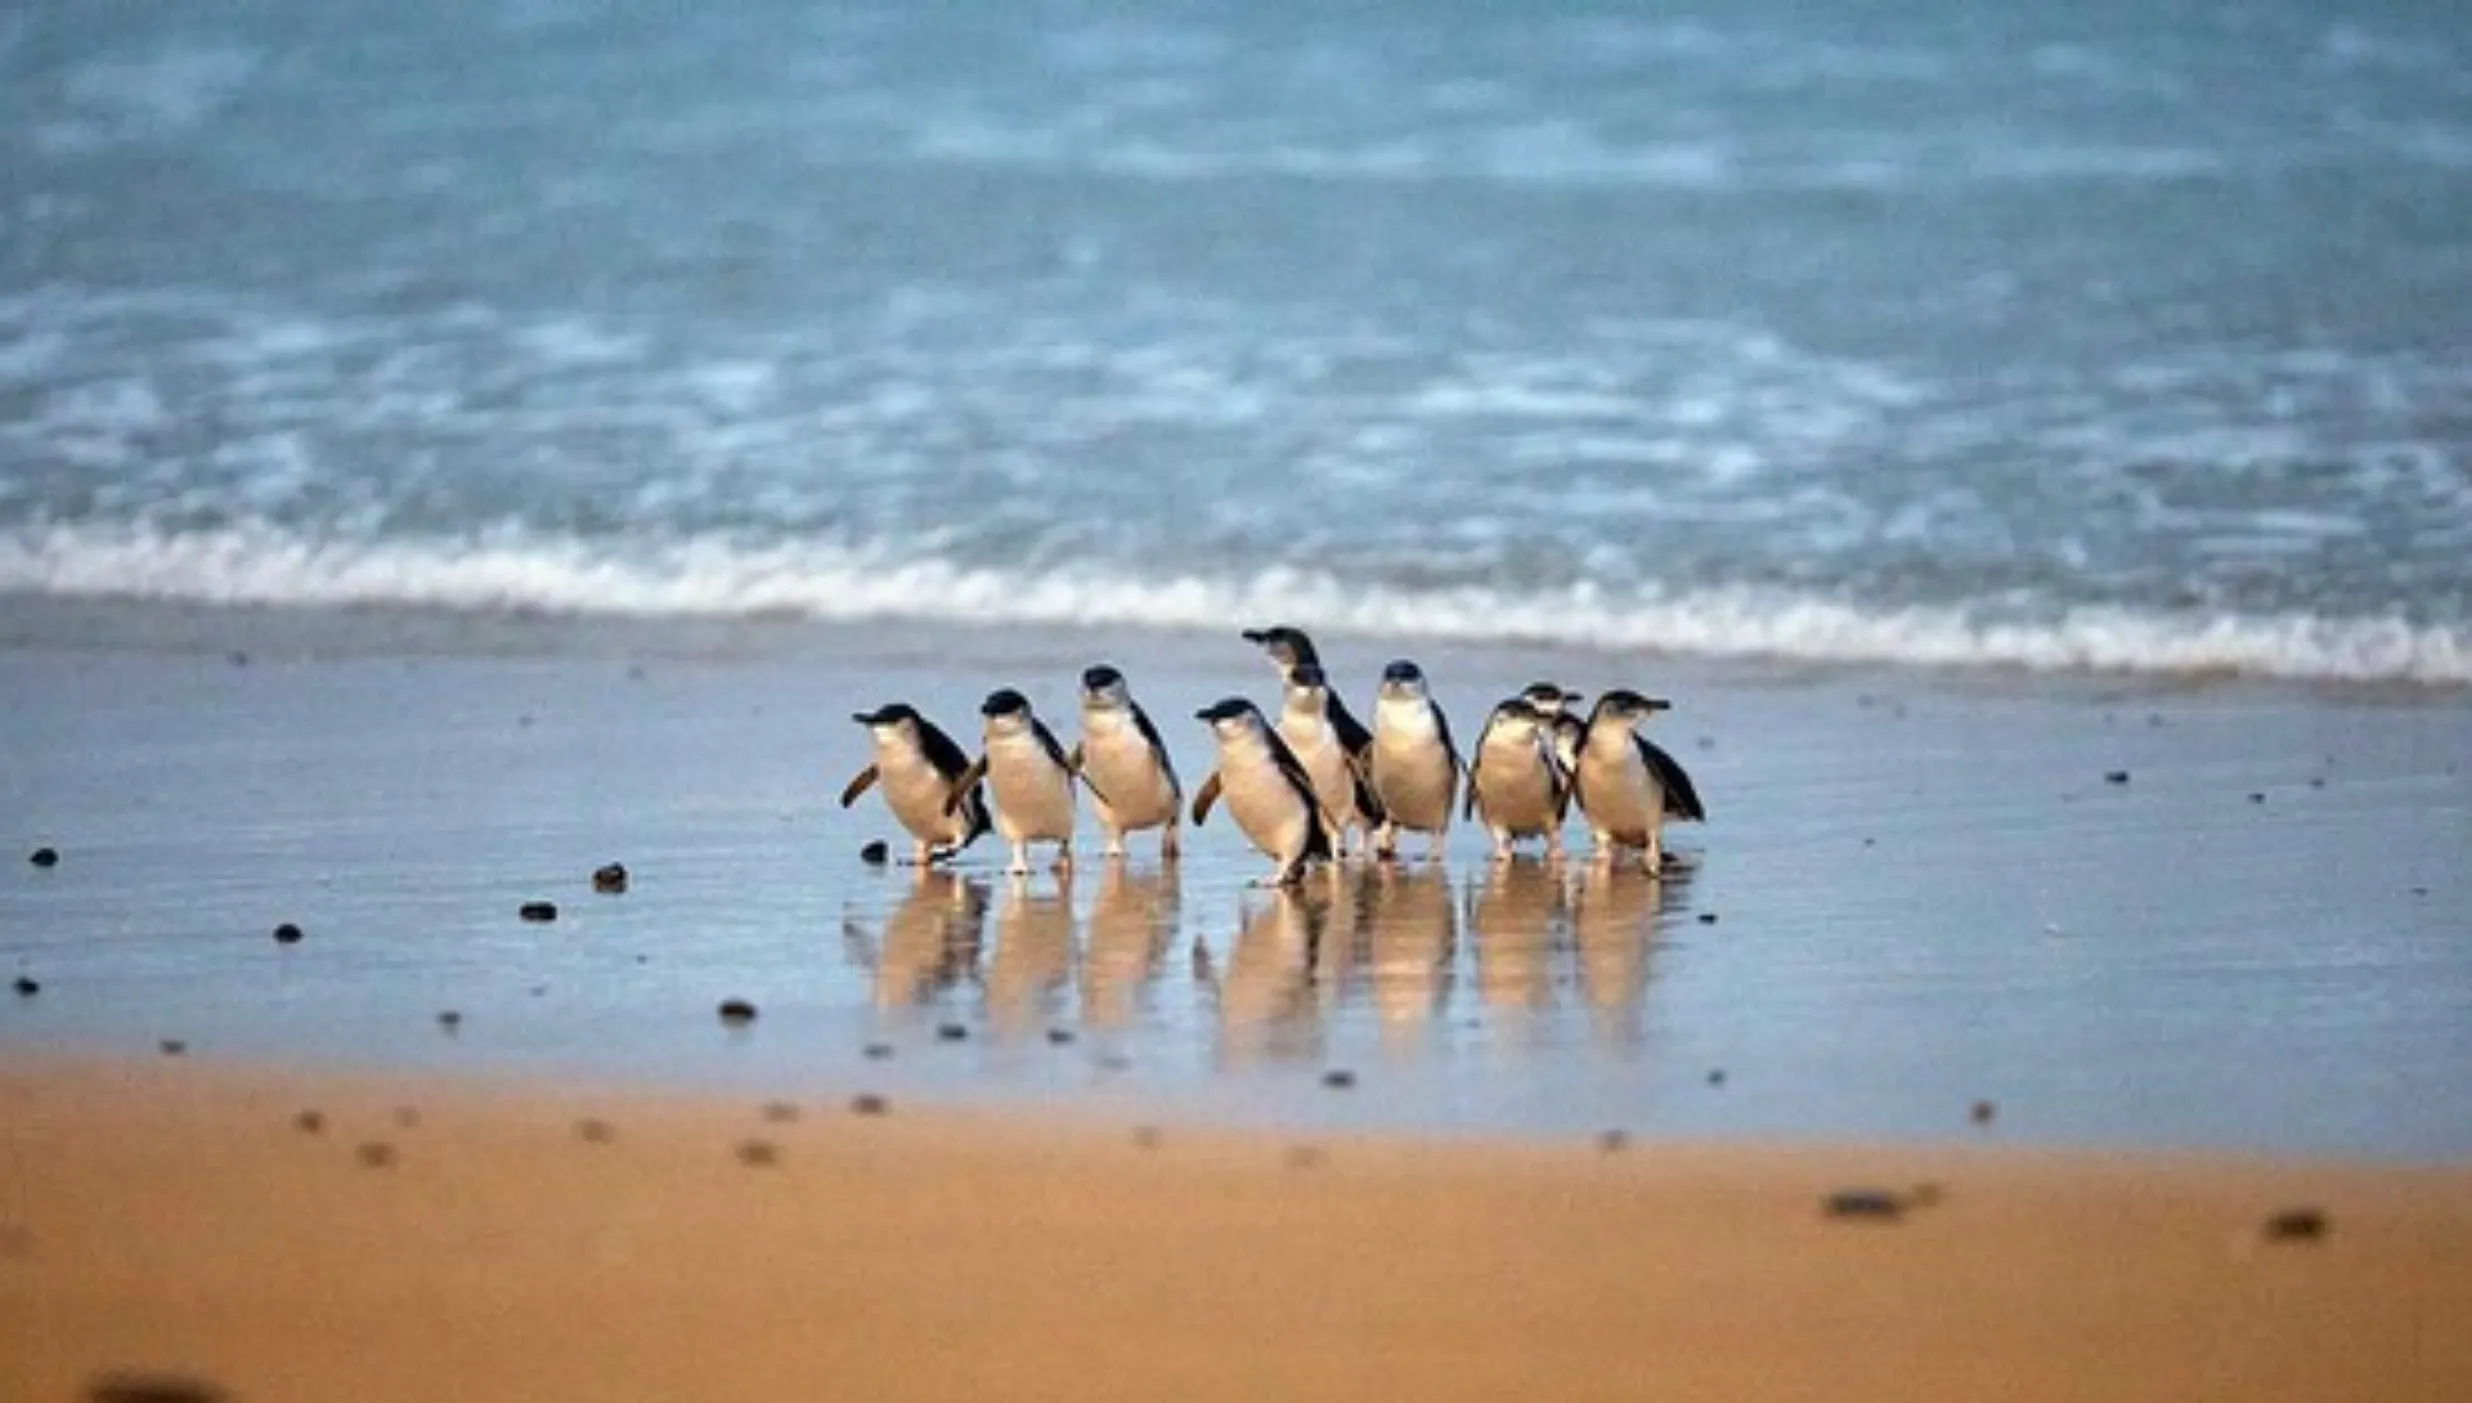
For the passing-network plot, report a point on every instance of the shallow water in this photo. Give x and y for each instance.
(1907, 899)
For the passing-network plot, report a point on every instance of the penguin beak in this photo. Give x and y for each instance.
(1256, 637)
(1656, 704)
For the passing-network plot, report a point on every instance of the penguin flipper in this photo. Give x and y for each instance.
(859, 784)
(1158, 748)
(1353, 737)
(1203, 800)
(966, 785)
(1681, 799)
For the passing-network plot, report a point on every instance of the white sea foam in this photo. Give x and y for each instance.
(711, 578)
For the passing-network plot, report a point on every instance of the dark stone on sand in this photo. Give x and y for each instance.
(953, 1032)
(780, 1111)
(2116, 777)
(2297, 1225)
(375, 1154)
(44, 857)
(27, 988)
(1716, 1076)
(593, 1131)
(2257, 796)
(449, 1019)
(310, 1122)
(287, 934)
(1984, 1112)
(1058, 1037)
(737, 1012)
(611, 878)
(538, 911)
(867, 1103)
(875, 854)
(2317, 781)
(758, 1154)
(2416, 891)
(877, 1052)
(1339, 1079)
(172, 1047)
(1707, 918)
(1613, 1141)
(154, 1388)
(1864, 1205)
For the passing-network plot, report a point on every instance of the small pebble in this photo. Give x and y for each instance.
(952, 1032)
(875, 854)
(1984, 1112)
(22, 983)
(1613, 1142)
(310, 1122)
(867, 1103)
(2116, 777)
(44, 857)
(1059, 1036)
(737, 1013)
(1116, 1062)
(27, 988)
(538, 911)
(1927, 1194)
(375, 1154)
(449, 1019)
(610, 879)
(1339, 1079)
(594, 1131)
(153, 1388)
(1716, 1076)
(287, 934)
(757, 1154)
(779, 1111)
(1707, 918)
(877, 1052)
(2297, 1225)
(2317, 782)
(172, 1047)
(1869, 1205)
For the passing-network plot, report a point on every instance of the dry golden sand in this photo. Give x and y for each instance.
(177, 1219)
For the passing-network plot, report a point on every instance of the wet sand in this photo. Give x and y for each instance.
(177, 1221)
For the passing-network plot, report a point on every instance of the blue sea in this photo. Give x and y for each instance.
(2113, 337)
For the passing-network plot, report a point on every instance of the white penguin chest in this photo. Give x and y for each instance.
(915, 791)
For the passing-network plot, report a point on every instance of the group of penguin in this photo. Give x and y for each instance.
(1301, 788)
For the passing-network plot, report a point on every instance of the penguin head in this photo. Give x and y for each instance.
(1549, 697)
(1307, 688)
(1006, 710)
(1628, 707)
(1288, 647)
(1403, 681)
(1517, 718)
(1103, 686)
(892, 718)
(1233, 716)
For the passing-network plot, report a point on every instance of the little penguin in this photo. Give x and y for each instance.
(1338, 779)
(1290, 649)
(1032, 778)
(1556, 705)
(1415, 768)
(923, 774)
(1628, 787)
(1265, 788)
(1516, 781)
(1132, 780)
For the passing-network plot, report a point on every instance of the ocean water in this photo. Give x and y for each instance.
(2062, 336)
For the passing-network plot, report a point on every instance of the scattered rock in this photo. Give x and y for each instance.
(610, 879)
(2115, 777)
(758, 1154)
(537, 990)
(2416, 891)
(1339, 1079)
(2307, 1224)
(1983, 1113)
(594, 1131)
(27, 988)
(1716, 1076)
(737, 1013)
(153, 1388)
(1864, 1205)
(1613, 1142)
(2257, 796)
(1059, 1037)
(310, 1122)
(952, 1032)
(538, 911)
(287, 934)
(375, 1154)
(877, 1052)
(44, 857)
(449, 1019)
(2317, 781)
(875, 853)
(172, 1047)
(867, 1103)
(780, 1111)
(1707, 918)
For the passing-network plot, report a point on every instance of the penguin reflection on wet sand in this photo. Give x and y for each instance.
(1032, 778)
(926, 781)
(1415, 768)
(1517, 782)
(1338, 777)
(1132, 781)
(1266, 789)
(1626, 785)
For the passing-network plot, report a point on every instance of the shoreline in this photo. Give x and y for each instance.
(184, 1222)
